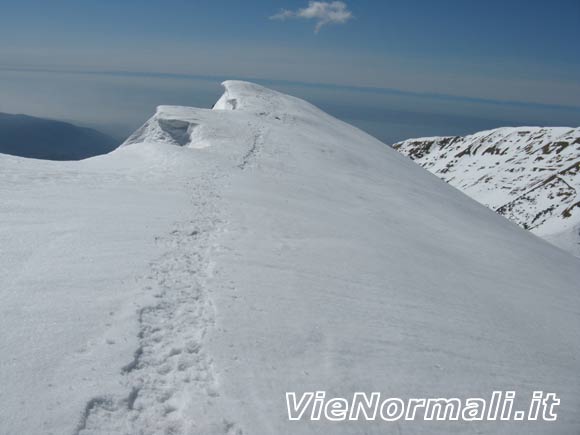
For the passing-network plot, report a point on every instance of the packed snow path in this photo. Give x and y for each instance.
(185, 282)
(170, 369)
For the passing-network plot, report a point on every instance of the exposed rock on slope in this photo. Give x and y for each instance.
(530, 175)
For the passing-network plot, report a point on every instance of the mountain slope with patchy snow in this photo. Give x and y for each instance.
(530, 175)
(183, 283)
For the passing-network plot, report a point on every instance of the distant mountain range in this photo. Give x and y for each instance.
(530, 175)
(27, 136)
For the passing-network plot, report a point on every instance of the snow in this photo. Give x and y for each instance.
(73, 239)
(183, 283)
(530, 175)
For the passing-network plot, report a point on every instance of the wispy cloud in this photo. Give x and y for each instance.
(335, 12)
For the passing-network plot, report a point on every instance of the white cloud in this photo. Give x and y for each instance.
(323, 12)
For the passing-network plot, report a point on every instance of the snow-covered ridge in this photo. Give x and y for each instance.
(531, 175)
(249, 97)
(194, 128)
(221, 258)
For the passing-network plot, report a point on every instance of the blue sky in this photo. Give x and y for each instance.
(395, 68)
(502, 50)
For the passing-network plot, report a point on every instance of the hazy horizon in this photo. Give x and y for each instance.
(117, 103)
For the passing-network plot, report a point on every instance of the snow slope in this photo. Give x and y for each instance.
(530, 175)
(183, 283)
(74, 238)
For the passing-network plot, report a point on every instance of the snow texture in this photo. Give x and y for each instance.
(184, 282)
